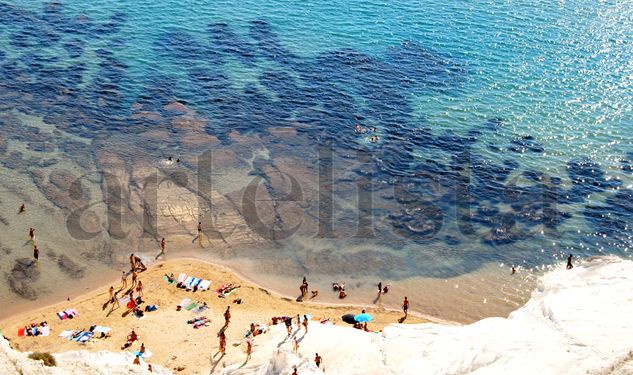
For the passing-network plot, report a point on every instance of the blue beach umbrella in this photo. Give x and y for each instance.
(363, 318)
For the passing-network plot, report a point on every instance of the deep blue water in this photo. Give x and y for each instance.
(505, 127)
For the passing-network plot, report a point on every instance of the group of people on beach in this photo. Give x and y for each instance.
(340, 288)
(36, 250)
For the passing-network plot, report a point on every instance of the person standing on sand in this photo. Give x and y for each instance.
(162, 247)
(305, 323)
(199, 233)
(22, 208)
(227, 316)
(139, 288)
(295, 344)
(132, 263)
(222, 337)
(112, 294)
(134, 276)
(298, 323)
(379, 288)
(405, 306)
(115, 299)
(304, 287)
(32, 233)
(137, 360)
(123, 280)
(288, 323)
(318, 360)
(36, 253)
(249, 348)
(569, 265)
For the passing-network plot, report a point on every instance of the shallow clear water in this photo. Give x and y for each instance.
(504, 130)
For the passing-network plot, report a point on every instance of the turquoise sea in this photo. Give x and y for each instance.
(503, 135)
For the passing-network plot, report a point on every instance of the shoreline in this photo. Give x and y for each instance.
(94, 292)
(174, 343)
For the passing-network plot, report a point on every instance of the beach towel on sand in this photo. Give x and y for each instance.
(200, 309)
(44, 331)
(67, 334)
(84, 337)
(191, 306)
(102, 329)
(223, 295)
(167, 280)
(184, 302)
(37, 331)
(189, 281)
(195, 282)
(204, 285)
(67, 314)
(182, 277)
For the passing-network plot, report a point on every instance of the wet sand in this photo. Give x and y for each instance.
(174, 343)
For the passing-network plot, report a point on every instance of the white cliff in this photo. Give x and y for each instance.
(577, 321)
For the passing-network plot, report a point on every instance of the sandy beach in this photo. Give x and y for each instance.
(175, 344)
